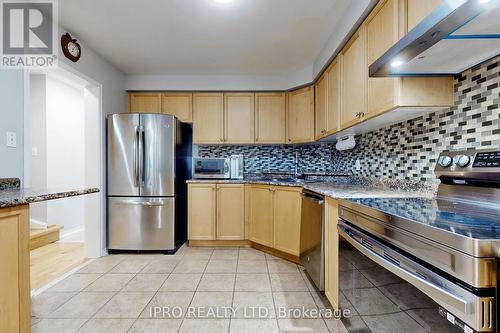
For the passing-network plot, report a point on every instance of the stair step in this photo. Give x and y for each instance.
(41, 237)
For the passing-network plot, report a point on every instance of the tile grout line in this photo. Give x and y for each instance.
(272, 295)
(78, 292)
(234, 289)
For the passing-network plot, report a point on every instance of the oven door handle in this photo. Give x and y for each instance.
(428, 288)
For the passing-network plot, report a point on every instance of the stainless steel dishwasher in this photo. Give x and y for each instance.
(312, 237)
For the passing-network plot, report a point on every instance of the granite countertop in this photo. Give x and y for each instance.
(21, 196)
(9, 183)
(344, 187)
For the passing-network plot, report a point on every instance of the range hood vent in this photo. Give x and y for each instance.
(456, 36)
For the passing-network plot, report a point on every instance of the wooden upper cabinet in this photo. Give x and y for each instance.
(381, 33)
(260, 222)
(384, 26)
(239, 118)
(230, 211)
(208, 118)
(270, 117)
(320, 106)
(354, 74)
(418, 10)
(144, 102)
(287, 215)
(202, 210)
(334, 97)
(300, 119)
(179, 105)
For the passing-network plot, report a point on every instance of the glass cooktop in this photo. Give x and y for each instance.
(477, 221)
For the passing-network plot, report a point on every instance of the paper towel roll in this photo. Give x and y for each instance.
(346, 143)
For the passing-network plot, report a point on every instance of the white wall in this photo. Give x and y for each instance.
(65, 151)
(11, 119)
(36, 138)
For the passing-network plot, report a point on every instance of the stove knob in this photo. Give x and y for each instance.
(445, 161)
(462, 161)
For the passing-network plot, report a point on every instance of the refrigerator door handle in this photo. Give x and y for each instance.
(141, 156)
(136, 157)
(142, 203)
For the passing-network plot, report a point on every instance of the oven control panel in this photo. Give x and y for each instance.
(469, 164)
(487, 160)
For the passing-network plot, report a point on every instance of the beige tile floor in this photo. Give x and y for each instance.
(118, 294)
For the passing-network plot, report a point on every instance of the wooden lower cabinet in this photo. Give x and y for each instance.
(287, 215)
(15, 306)
(230, 212)
(332, 252)
(216, 212)
(202, 211)
(261, 215)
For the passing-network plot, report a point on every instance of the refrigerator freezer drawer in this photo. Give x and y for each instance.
(141, 223)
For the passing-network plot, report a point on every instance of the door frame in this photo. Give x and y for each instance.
(95, 226)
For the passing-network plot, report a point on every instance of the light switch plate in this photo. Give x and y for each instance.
(11, 139)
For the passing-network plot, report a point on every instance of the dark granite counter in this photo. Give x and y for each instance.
(16, 197)
(9, 183)
(344, 187)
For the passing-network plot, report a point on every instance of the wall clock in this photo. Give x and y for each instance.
(70, 47)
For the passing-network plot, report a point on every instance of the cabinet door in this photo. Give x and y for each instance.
(145, 102)
(202, 211)
(261, 215)
(334, 96)
(15, 270)
(301, 115)
(354, 77)
(381, 33)
(208, 118)
(270, 118)
(418, 10)
(320, 105)
(332, 252)
(230, 212)
(239, 118)
(179, 105)
(287, 209)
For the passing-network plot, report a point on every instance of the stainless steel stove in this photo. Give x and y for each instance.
(447, 247)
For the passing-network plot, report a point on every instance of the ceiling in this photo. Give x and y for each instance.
(204, 37)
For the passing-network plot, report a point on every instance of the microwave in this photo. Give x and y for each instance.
(209, 168)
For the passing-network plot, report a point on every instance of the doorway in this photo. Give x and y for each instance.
(63, 150)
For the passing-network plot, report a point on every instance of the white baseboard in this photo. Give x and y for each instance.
(35, 224)
(73, 235)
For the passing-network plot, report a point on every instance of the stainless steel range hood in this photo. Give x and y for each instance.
(457, 35)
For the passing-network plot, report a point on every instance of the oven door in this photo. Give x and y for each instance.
(460, 306)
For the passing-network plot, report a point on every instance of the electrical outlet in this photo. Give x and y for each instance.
(11, 139)
(358, 165)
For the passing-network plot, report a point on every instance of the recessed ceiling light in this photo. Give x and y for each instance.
(396, 63)
(484, 1)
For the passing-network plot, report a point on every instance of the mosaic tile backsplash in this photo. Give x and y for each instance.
(406, 150)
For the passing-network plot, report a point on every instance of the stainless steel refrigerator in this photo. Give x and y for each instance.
(148, 161)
